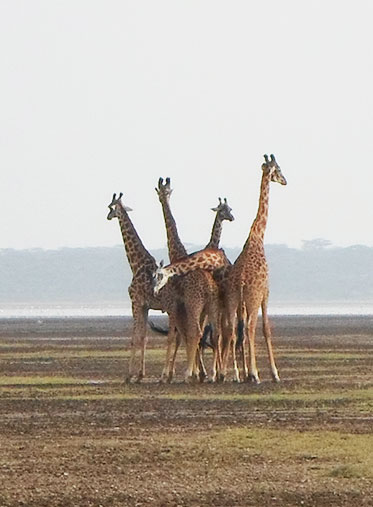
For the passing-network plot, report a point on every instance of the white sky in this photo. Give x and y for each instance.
(105, 96)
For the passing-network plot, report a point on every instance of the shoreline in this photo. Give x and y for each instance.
(120, 326)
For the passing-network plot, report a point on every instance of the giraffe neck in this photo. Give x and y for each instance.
(207, 259)
(215, 233)
(260, 222)
(176, 249)
(137, 254)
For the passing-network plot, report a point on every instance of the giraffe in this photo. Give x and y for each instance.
(176, 251)
(246, 284)
(142, 265)
(223, 212)
(200, 292)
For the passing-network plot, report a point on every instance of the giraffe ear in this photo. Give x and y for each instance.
(215, 209)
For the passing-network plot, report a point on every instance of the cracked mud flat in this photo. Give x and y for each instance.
(73, 434)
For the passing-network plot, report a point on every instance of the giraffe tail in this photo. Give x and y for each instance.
(240, 333)
(206, 337)
(158, 329)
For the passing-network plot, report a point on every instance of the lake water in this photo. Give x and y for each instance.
(117, 310)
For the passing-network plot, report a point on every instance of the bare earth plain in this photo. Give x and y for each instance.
(72, 433)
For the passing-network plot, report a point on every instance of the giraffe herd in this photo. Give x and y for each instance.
(202, 292)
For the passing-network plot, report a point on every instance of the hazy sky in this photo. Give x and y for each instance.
(99, 97)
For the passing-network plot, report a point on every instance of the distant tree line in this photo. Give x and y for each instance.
(316, 272)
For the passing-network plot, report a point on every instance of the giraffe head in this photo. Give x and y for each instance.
(160, 277)
(272, 168)
(164, 190)
(223, 210)
(115, 206)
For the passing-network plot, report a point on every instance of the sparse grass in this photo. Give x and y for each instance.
(77, 353)
(349, 471)
(325, 453)
(363, 394)
(39, 380)
(325, 355)
(70, 425)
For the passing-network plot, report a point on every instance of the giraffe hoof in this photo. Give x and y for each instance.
(254, 379)
(276, 379)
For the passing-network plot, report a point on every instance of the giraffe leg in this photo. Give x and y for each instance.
(236, 371)
(217, 360)
(225, 346)
(216, 353)
(132, 358)
(228, 328)
(192, 342)
(228, 345)
(242, 336)
(143, 343)
(227, 331)
(201, 368)
(215, 323)
(138, 341)
(253, 371)
(200, 365)
(169, 363)
(171, 372)
(268, 339)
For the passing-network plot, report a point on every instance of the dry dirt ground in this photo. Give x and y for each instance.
(73, 434)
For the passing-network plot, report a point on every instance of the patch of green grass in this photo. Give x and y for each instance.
(79, 353)
(360, 399)
(336, 454)
(348, 471)
(39, 380)
(325, 355)
(15, 344)
(358, 394)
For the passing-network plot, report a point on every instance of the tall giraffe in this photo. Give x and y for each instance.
(247, 286)
(200, 292)
(142, 265)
